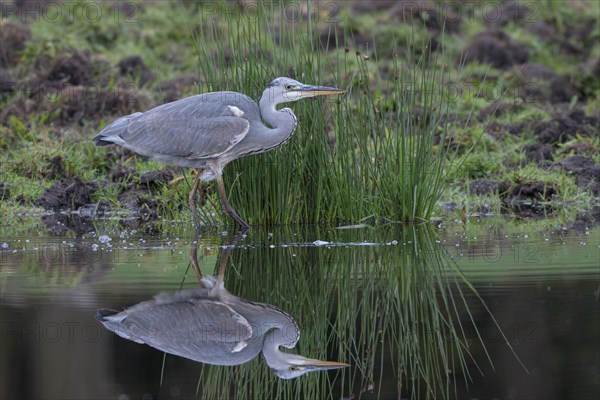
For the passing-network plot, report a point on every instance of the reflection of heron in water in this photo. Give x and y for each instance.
(213, 326)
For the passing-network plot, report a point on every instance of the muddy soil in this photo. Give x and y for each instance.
(155, 179)
(67, 196)
(13, 38)
(122, 173)
(135, 201)
(7, 82)
(4, 191)
(584, 222)
(496, 48)
(76, 87)
(174, 89)
(520, 199)
(61, 224)
(538, 83)
(135, 68)
(136, 194)
(538, 152)
(513, 193)
(585, 171)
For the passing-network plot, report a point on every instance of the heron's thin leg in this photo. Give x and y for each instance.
(231, 244)
(227, 209)
(192, 200)
(194, 257)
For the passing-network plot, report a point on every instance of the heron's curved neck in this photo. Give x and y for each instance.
(283, 122)
(273, 340)
(282, 331)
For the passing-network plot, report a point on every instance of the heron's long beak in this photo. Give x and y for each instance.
(312, 91)
(311, 364)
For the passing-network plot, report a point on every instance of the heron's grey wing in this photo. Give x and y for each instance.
(196, 127)
(189, 329)
(186, 137)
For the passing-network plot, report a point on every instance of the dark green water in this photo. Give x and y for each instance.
(395, 303)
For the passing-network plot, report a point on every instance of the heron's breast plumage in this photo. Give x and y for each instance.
(262, 148)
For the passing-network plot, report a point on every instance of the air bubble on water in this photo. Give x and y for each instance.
(104, 239)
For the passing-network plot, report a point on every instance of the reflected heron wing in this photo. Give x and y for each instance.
(192, 321)
(204, 330)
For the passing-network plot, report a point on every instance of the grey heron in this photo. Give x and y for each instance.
(212, 326)
(208, 131)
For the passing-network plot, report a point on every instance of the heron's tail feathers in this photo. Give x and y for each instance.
(104, 314)
(112, 133)
(208, 282)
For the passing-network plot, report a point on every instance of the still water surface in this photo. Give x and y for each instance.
(396, 303)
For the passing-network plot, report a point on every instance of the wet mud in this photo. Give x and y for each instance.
(67, 196)
(495, 47)
(73, 87)
(13, 39)
(176, 88)
(585, 171)
(137, 196)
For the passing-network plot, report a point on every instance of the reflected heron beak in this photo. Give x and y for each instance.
(317, 365)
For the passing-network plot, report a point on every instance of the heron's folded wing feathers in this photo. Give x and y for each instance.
(172, 326)
(198, 127)
(179, 136)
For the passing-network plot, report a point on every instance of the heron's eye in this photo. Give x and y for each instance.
(289, 86)
(296, 369)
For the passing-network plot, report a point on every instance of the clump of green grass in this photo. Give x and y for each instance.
(564, 187)
(357, 157)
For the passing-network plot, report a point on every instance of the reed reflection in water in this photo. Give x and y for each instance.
(391, 309)
(388, 301)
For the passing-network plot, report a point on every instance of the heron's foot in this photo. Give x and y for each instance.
(234, 215)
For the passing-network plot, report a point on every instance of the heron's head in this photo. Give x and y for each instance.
(285, 90)
(291, 366)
